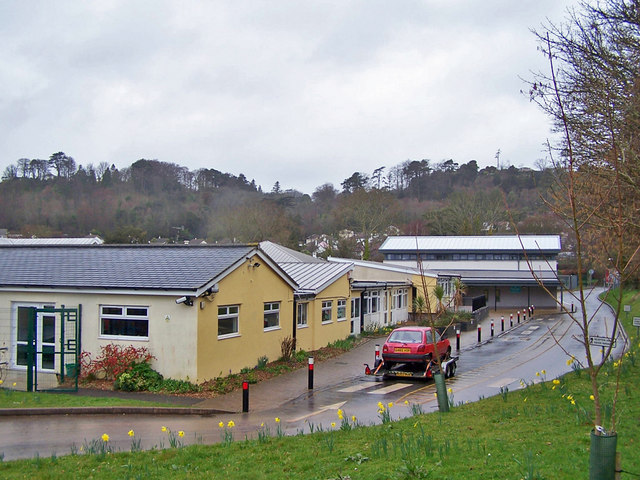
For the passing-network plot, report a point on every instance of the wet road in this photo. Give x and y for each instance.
(483, 370)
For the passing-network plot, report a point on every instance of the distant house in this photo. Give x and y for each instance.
(510, 271)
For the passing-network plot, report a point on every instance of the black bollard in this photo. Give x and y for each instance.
(310, 373)
(492, 327)
(245, 396)
(479, 333)
(502, 324)
(458, 339)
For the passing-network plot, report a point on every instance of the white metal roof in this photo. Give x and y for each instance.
(382, 266)
(52, 241)
(486, 243)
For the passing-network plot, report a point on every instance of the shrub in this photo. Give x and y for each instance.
(113, 361)
(141, 377)
(287, 347)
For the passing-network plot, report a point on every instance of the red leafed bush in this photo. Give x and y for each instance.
(112, 361)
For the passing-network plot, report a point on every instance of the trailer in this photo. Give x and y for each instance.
(405, 370)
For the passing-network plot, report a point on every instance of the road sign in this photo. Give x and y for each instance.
(601, 341)
(636, 321)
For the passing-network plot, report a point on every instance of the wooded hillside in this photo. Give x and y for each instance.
(152, 199)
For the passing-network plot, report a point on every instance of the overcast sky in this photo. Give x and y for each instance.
(303, 92)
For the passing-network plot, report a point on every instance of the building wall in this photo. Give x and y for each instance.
(514, 298)
(249, 288)
(318, 334)
(509, 265)
(172, 327)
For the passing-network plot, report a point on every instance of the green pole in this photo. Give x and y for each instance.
(31, 348)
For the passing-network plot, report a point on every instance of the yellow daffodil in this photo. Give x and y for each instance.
(556, 381)
(380, 405)
(1, 382)
(543, 372)
(339, 412)
(573, 402)
(415, 425)
(105, 437)
(525, 399)
(181, 433)
(553, 388)
(569, 361)
(406, 402)
(221, 424)
(277, 420)
(390, 404)
(340, 416)
(164, 429)
(333, 424)
(591, 397)
(450, 390)
(262, 425)
(130, 433)
(537, 374)
(231, 424)
(353, 418)
(14, 384)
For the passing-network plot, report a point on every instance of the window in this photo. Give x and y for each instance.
(405, 298)
(271, 315)
(375, 301)
(123, 321)
(302, 315)
(355, 308)
(342, 310)
(228, 320)
(327, 306)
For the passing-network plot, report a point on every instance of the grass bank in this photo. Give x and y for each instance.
(538, 432)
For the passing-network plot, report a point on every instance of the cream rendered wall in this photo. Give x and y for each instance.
(317, 334)
(430, 283)
(249, 287)
(172, 327)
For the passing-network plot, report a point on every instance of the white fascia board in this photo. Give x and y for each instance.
(103, 291)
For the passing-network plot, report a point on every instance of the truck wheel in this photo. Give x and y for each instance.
(451, 370)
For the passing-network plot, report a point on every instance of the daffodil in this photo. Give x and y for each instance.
(543, 372)
(381, 405)
(573, 402)
(231, 424)
(450, 390)
(333, 424)
(556, 381)
(406, 402)
(181, 433)
(339, 412)
(105, 437)
(221, 424)
(277, 420)
(553, 388)
(262, 425)
(525, 399)
(1, 382)
(569, 361)
(390, 404)
(591, 397)
(164, 429)
(353, 418)
(130, 433)
(537, 374)
(14, 384)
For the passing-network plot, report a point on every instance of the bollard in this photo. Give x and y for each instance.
(492, 327)
(479, 333)
(524, 315)
(518, 316)
(310, 373)
(458, 339)
(533, 309)
(502, 324)
(377, 359)
(245, 397)
(511, 319)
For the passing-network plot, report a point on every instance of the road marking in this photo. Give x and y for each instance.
(502, 382)
(357, 388)
(334, 406)
(390, 388)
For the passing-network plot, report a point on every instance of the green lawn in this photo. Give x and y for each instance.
(17, 399)
(539, 432)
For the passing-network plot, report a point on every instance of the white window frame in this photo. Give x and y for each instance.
(327, 306)
(40, 344)
(355, 307)
(271, 309)
(226, 312)
(302, 315)
(125, 315)
(342, 309)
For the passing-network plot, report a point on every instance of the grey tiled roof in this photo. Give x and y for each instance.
(117, 267)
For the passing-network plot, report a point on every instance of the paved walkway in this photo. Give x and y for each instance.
(284, 388)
